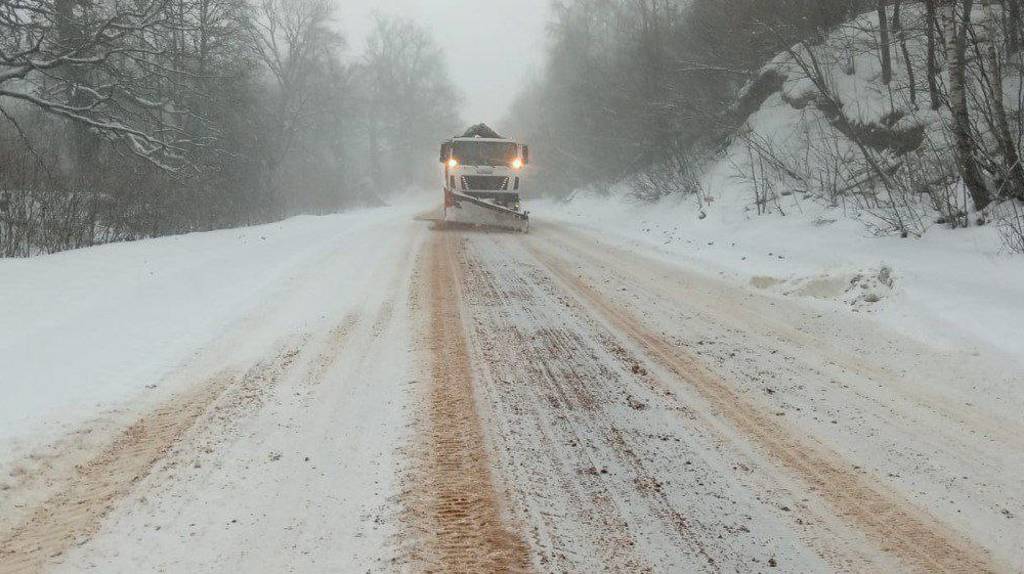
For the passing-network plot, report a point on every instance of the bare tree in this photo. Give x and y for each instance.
(98, 64)
(1013, 24)
(632, 85)
(884, 42)
(253, 98)
(293, 39)
(931, 32)
(957, 29)
(410, 97)
(901, 34)
(1014, 171)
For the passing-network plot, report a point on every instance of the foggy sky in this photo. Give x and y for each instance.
(491, 45)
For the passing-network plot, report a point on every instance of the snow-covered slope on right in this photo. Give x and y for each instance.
(845, 190)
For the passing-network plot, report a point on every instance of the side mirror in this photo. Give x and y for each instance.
(446, 152)
(526, 155)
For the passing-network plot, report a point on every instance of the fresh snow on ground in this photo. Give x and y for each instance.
(949, 287)
(87, 331)
(308, 481)
(309, 460)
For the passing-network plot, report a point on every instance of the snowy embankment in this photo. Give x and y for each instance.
(948, 288)
(760, 212)
(90, 331)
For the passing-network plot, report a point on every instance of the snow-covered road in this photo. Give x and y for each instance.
(390, 396)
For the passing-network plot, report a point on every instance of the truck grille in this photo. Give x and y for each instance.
(484, 182)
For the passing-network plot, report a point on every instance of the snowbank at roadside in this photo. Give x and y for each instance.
(949, 287)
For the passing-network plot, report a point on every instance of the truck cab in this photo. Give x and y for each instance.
(484, 177)
(489, 169)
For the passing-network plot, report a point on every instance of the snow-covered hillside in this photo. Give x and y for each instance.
(793, 207)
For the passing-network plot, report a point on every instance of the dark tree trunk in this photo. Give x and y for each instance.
(70, 35)
(901, 34)
(956, 40)
(1007, 145)
(883, 30)
(1013, 25)
(932, 24)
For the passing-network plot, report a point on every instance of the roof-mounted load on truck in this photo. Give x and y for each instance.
(484, 178)
(482, 131)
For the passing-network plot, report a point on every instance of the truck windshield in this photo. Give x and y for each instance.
(485, 153)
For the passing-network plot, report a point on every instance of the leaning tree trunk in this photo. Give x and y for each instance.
(1001, 121)
(883, 31)
(901, 34)
(956, 48)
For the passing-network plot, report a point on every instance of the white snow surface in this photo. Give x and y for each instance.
(949, 288)
(136, 321)
(87, 331)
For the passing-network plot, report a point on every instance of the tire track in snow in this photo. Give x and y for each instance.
(75, 513)
(454, 502)
(596, 460)
(551, 387)
(333, 347)
(706, 295)
(564, 391)
(338, 338)
(896, 526)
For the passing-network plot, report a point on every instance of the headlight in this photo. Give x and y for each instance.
(517, 163)
(453, 163)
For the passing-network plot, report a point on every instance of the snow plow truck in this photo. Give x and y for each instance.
(484, 177)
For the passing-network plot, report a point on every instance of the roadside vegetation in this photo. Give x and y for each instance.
(125, 120)
(905, 113)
